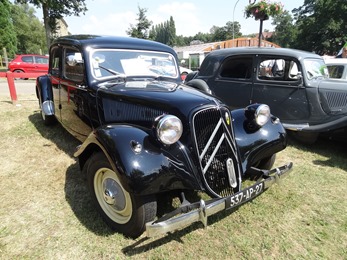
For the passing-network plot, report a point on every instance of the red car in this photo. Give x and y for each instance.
(29, 63)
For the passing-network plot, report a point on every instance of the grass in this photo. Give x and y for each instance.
(46, 212)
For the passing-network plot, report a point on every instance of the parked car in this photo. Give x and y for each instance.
(337, 68)
(293, 83)
(29, 63)
(145, 136)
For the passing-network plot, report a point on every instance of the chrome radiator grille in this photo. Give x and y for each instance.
(216, 150)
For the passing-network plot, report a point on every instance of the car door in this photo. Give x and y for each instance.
(233, 82)
(40, 64)
(278, 83)
(75, 98)
(27, 63)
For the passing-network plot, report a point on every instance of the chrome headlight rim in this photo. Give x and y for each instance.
(262, 115)
(169, 129)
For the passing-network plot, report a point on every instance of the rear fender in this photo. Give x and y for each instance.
(257, 144)
(145, 166)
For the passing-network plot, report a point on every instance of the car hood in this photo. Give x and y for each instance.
(158, 97)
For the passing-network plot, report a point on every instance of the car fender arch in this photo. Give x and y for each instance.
(255, 146)
(140, 160)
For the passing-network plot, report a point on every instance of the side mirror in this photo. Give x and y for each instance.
(73, 59)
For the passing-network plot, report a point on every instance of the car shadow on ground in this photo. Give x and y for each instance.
(76, 192)
(333, 149)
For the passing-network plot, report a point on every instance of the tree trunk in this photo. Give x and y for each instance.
(47, 25)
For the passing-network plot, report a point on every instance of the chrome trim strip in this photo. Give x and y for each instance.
(214, 153)
(211, 139)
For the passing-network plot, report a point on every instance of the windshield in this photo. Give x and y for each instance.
(315, 68)
(108, 63)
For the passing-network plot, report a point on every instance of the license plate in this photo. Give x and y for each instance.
(244, 195)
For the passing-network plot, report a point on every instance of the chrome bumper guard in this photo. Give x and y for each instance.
(199, 211)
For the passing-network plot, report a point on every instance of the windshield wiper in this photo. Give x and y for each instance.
(113, 72)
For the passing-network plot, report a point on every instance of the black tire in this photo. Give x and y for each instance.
(19, 71)
(267, 163)
(200, 85)
(304, 137)
(122, 211)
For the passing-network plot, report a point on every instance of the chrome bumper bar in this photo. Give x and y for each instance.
(199, 211)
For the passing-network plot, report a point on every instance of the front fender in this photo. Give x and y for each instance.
(260, 144)
(145, 166)
(44, 88)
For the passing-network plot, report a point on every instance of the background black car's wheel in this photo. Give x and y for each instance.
(122, 211)
(267, 163)
(304, 137)
(199, 84)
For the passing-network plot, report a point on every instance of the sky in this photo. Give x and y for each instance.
(113, 17)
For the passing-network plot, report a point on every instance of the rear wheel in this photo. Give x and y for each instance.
(122, 211)
(19, 71)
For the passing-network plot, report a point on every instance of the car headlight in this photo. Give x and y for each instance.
(262, 115)
(169, 129)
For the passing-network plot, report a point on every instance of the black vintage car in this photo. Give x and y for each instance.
(293, 83)
(146, 136)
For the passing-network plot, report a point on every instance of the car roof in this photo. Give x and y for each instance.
(299, 54)
(104, 41)
(336, 61)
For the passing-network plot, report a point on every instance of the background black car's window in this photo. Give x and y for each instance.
(335, 71)
(278, 69)
(28, 59)
(237, 68)
(74, 65)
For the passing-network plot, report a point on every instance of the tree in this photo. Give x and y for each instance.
(56, 9)
(29, 30)
(285, 30)
(164, 33)
(140, 30)
(8, 38)
(225, 32)
(321, 26)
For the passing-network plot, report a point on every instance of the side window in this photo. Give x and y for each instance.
(28, 59)
(278, 69)
(237, 68)
(41, 60)
(335, 71)
(73, 67)
(55, 61)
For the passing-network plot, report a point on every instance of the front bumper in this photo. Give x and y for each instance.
(199, 211)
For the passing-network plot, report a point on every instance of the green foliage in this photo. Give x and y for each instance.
(226, 32)
(8, 38)
(29, 30)
(285, 30)
(140, 30)
(56, 9)
(321, 26)
(164, 32)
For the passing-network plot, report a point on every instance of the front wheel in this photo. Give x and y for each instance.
(267, 163)
(122, 211)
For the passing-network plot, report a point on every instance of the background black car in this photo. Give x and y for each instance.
(293, 83)
(146, 136)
